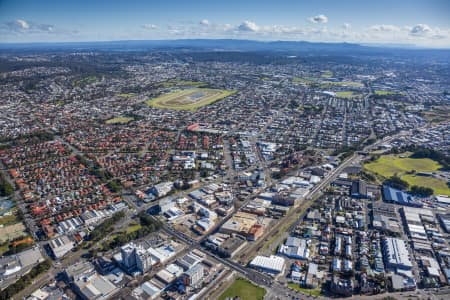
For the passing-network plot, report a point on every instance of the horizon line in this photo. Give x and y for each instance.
(362, 44)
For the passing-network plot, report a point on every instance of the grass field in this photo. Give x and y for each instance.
(85, 81)
(439, 187)
(312, 292)
(348, 95)
(437, 114)
(245, 290)
(11, 232)
(119, 120)
(389, 165)
(190, 99)
(382, 93)
(133, 228)
(341, 83)
(127, 95)
(8, 219)
(174, 82)
(304, 80)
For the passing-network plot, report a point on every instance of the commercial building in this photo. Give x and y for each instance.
(194, 275)
(295, 248)
(60, 246)
(138, 258)
(94, 286)
(13, 266)
(189, 260)
(88, 284)
(272, 264)
(225, 244)
(255, 232)
(147, 290)
(240, 223)
(161, 189)
(398, 197)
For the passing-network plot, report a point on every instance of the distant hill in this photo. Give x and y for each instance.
(219, 45)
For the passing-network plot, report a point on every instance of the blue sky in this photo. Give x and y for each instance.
(424, 23)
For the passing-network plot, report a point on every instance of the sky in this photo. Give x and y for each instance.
(423, 23)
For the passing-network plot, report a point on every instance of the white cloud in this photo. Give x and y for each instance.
(346, 26)
(149, 26)
(22, 24)
(204, 22)
(227, 27)
(248, 26)
(380, 33)
(420, 30)
(318, 19)
(384, 28)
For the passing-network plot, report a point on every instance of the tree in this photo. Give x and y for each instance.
(397, 183)
(114, 186)
(421, 191)
(6, 189)
(293, 104)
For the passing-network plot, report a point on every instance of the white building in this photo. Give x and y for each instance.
(162, 189)
(143, 260)
(137, 257)
(147, 290)
(396, 254)
(60, 246)
(295, 248)
(272, 264)
(194, 275)
(128, 253)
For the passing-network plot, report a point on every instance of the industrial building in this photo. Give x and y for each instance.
(240, 223)
(295, 248)
(226, 245)
(398, 197)
(396, 254)
(272, 264)
(88, 284)
(413, 219)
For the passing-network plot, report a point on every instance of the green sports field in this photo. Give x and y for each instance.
(312, 292)
(341, 83)
(348, 95)
(245, 290)
(190, 99)
(389, 165)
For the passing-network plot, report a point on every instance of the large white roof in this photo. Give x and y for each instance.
(272, 263)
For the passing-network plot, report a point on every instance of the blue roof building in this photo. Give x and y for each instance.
(399, 197)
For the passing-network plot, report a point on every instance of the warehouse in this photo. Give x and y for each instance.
(396, 196)
(272, 264)
(396, 254)
(295, 248)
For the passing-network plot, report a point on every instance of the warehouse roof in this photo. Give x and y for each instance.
(271, 263)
